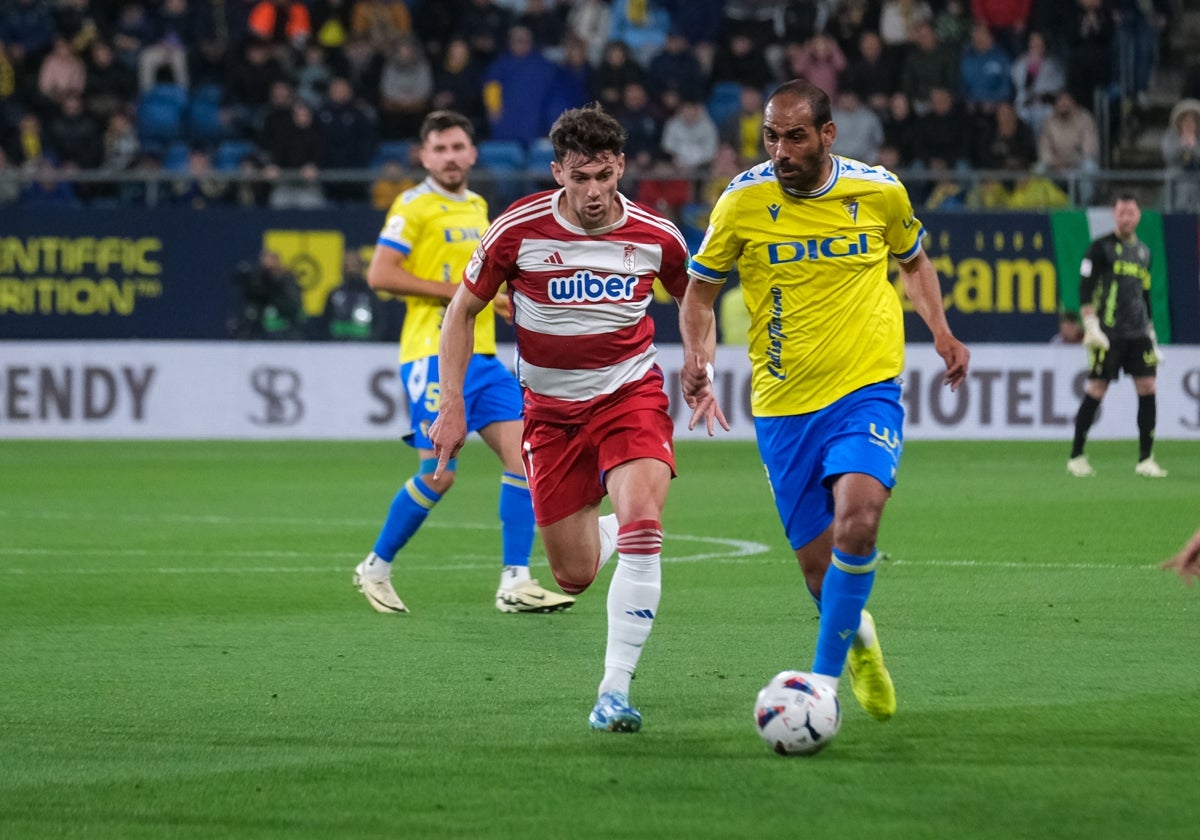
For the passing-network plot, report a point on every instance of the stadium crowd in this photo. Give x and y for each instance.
(288, 91)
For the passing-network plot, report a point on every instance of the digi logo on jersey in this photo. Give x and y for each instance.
(280, 391)
(585, 286)
(831, 248)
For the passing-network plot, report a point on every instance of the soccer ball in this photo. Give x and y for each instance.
(796, 714)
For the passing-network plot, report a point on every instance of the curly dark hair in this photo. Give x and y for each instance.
(589, 131)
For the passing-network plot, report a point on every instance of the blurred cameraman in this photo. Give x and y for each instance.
(271, 303)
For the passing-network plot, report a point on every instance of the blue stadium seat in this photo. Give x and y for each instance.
(230, 154)
(541, 153)
(204, 114)
(160, 114)
(724, 101)
(502, 155)
(175, 158)
(397, 150)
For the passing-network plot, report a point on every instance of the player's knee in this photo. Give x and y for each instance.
(856, 530)
(572, 582)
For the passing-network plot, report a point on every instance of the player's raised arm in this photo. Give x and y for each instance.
(922, 287)
(449, 431)
(698, 328)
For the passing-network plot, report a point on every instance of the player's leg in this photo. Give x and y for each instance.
(1147, 418)
(415, 499)
(1100, 373)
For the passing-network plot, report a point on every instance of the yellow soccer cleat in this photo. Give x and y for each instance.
(869, 677)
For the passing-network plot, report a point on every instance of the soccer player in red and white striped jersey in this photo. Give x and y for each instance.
(579, 264)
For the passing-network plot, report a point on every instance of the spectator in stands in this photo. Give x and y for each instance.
(642, 25)
(301, 143)
(699, 21)
(850, 21)
(381, 23)
(274, 121)
(393, 179)
(674, 73)
(1070, 328)
(350, 134)
(253, 76)
(872, 75)
(1007, 19)
(573, 83)
(272, 305)
(458, 84)
(819, 59)
(899, 148)
(201, 187)
(27, 146)
(284, 25)
(953, 24)
(1139, 23)
(986, 72)
(927, 65)
(76, 21)
(487, 27)
(591, 20)
(331, 22)
(1037, 77)
(170, 45)
(1005, 141)
(121, 143)
(73, 135)
(136, 193)
(110, 86)
(941, 133)
(643, 127)
(548, 25)
(1069, 143)
(62, 73)
(618, 69)
(313, 76)
(1090, 62)
(436, 23)
(517, 88)
(253, 187)
(859, 131)
(1181, 154)
(689, 137)
(353, 312)
(405, 89)
(898, 20)
(740, 59)
(10, 188)
(945, 192)
(742, 130)
(131, 33)
(48, 189)
(27, 29)
(362, 65)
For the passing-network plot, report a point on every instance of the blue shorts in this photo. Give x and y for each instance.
(490, 392)
(804, 453)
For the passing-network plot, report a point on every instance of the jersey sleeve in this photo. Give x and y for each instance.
(1090, 269)
(721, 245)
(674, 272)
(490, 267)
(401, 228)
(903, 231)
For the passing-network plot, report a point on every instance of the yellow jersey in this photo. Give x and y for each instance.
(437, 232)
(824, 320)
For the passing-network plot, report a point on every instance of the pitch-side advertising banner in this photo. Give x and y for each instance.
(106, 389)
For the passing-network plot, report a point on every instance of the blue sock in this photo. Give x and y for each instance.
(516, 519)
(409, 509)
(844, 593)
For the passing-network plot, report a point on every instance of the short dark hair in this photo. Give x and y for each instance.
(817, 99)
(589, 131)
(444, 121)
(1125, 195)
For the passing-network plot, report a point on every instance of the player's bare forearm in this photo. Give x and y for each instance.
(1187, 562)
(449, 430)
(698, 328)
(923, 289)
(387, 273)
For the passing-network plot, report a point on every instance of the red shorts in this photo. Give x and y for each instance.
(566, 464)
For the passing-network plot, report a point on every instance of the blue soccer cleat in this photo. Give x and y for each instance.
(613, 713)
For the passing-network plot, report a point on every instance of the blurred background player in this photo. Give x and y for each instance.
(428, 236)
(1114, 295)
(580, 264)
(811, 234)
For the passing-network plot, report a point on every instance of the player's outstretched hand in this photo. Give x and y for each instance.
(1186, 563)
(956, 356)
(696, 378)
(448, 434)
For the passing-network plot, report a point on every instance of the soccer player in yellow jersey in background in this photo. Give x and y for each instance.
(811, 234)
(428, 237)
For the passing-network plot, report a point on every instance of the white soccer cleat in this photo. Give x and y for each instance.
(373, 577)
(608, 538)
(1150, 469)
(1080, 468)
(529, 597)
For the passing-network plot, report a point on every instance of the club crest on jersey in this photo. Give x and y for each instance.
(629, 258)
(475, 264)
(583, 286)
(774, 209)
(850, 205)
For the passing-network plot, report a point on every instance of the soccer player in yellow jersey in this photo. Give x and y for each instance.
(428, 237)
(811, 234)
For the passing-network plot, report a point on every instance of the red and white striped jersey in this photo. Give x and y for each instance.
(579, 297)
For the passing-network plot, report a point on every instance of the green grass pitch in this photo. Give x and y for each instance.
(182, 655)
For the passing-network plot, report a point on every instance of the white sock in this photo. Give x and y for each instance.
(633, 597)
(865, 637)
(513, 576)
(608, 538)
(825, 679)
(376, 568)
